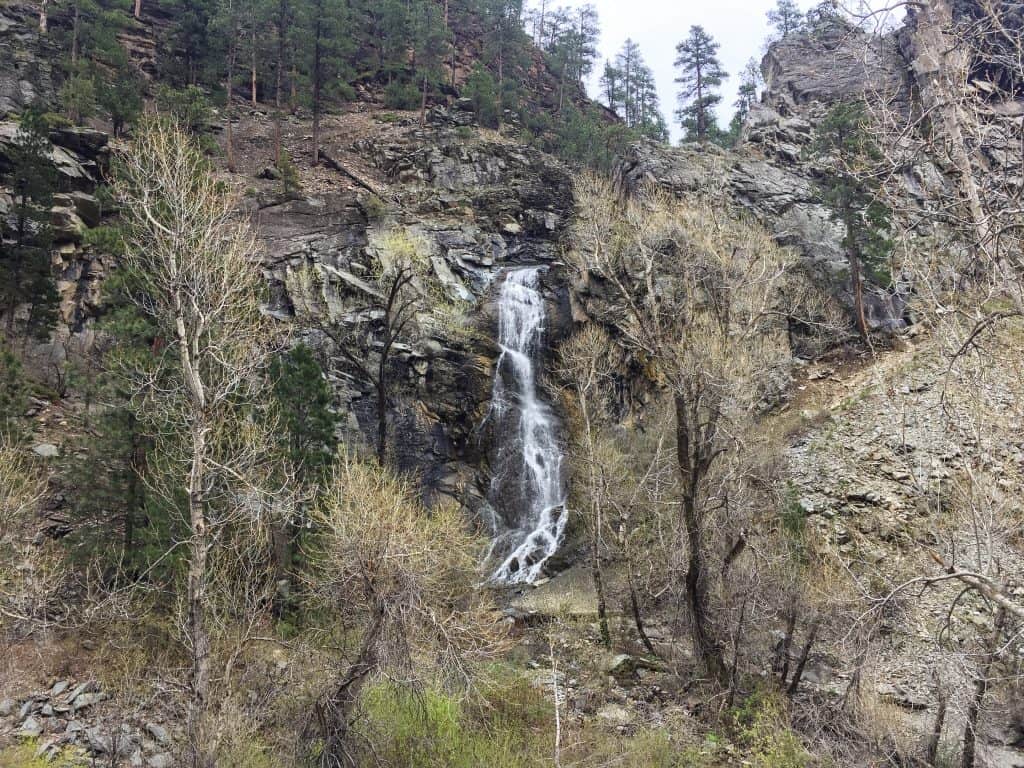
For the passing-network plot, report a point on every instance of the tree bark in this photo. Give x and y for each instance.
(690, 459)
(252, 59)
(981, 684)
(798, 673)
(932, 750)
(334, 712)
(316, 84)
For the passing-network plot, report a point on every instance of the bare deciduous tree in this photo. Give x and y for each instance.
(695, 291)
(192, 261)
(402, 579)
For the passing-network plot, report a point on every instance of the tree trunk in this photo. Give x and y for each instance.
(42, 16)
(334, 711)
(634, 604)
(932, 750)
(74, 38)
(382, 405)
(198, 635)
(706, 648)
(787, 644)
(229, 145)
(252, 58)
(595, 572)
(138, 8)
(981, 684)
(316, 90)
(798, 673)
(857, 286)
(423, 103)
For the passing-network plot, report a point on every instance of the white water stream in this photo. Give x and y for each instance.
(527, 487)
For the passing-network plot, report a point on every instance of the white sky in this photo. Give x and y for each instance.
(740, 26)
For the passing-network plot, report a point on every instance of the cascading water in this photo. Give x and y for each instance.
(527, 490)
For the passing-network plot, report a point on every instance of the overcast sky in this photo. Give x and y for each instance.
(740, 26)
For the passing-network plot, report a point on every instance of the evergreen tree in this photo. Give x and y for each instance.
(746, 97)
(630, 83)
(700, 76)
(25, 275)
(481, 89)
(304, 400)
(786, 18)
(612, 87)
(850, 189)
(573, 47)
(13, 394)
(120, 98)
(429, 47)
(504, 47)
(77, 96)
(328, 45)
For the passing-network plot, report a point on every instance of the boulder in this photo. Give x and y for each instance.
(87, 142)
(159, 733)
(30, 729)
(66, 225)
(46, 450)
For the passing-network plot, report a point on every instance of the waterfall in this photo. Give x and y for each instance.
(527, 491)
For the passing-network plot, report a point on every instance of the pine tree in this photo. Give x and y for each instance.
(482, 90)
(612, 86)
(573, 47)
(850, 188)
(120, 98)
(701, 74)
(13, 395)
(746, 97)
(326, 30)
(25, 275)
(629, 83)
(303, 400)
(429, 47)
(786, 18)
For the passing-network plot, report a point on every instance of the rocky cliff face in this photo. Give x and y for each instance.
(770, 173)
(475, 203)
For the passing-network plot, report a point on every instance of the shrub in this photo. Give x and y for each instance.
(402, 95)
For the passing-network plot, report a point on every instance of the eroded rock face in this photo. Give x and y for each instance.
(25, 76)
(832, 61)
(474, 206)
(771, 173)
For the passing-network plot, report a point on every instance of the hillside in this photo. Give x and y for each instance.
(432, 416)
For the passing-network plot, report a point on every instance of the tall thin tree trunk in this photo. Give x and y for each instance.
(798, 673)
(138, 8)
(688, 459)
(198, 635)
(228, 138)
(981, 684)
(74, 37)
(935, 739)
(252, 57)
(42, 16)
(317, 74)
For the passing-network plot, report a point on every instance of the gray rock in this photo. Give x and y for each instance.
(161, 760)
(86, 142)
(616, 714)
(7, 707)
(159, 733)
(30, 729)
(84, 700)
(59, 687)
(46, 450)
